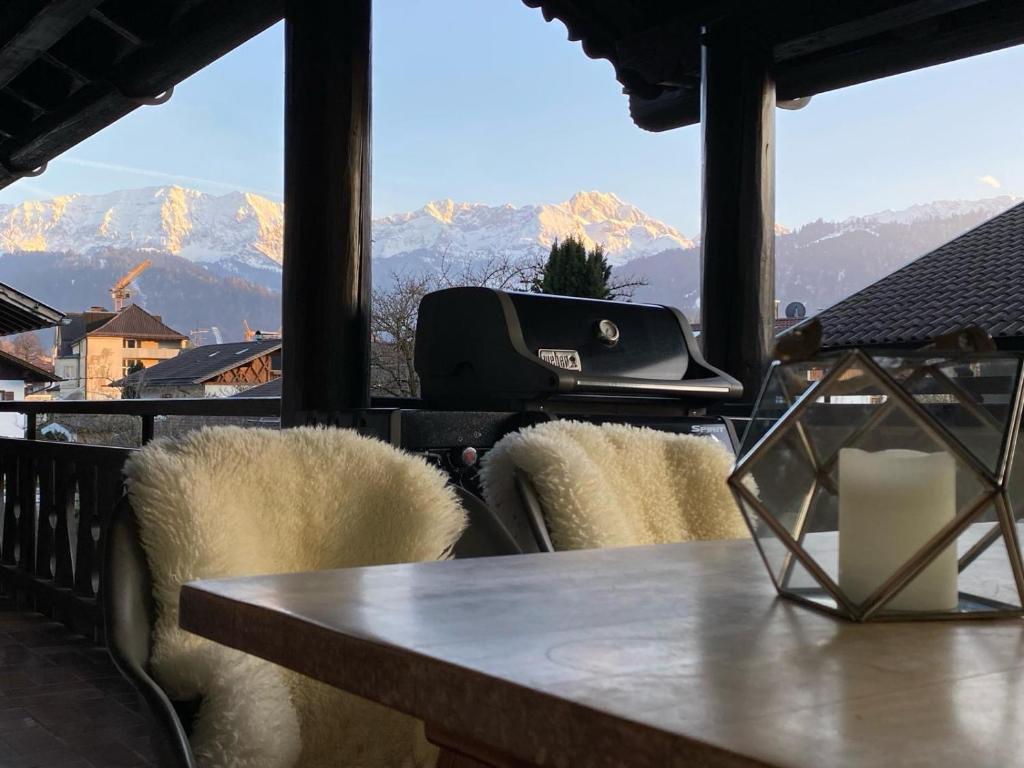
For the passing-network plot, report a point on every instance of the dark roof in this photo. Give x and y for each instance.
(655, 45)
(976, 279)
(134, 322)
(77, 325)
(30, 372)
(71, 67)
(196, 365)
(20, 312)
(270, 389)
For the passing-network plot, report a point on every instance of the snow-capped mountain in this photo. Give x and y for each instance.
(201, 244)
(245, 229)
(238, 227)
(465, 229)
(940, 209)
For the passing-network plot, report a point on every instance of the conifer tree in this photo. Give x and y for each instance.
(572, 271)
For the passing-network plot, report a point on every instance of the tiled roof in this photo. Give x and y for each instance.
(976, 279)
(196, 365)
(270, 389)
(135, 322)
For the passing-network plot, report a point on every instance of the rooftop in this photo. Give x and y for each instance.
(196, 365)
(135, 322)
(975, 279)
(19, 312)
(31, 373)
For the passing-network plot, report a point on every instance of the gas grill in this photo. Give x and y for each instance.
(492, 362)
(485, 348)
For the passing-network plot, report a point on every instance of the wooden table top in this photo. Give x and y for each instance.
(675, 655)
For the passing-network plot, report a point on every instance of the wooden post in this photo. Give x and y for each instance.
(738, 211)
(326, 284)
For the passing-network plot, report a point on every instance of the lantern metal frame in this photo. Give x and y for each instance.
(994, 484)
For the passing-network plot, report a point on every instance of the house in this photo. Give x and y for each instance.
(97, 347)
(18, 380)
(213, 370)
(974, 279)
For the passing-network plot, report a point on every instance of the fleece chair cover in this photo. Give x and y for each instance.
(233, 502)
(616, 485)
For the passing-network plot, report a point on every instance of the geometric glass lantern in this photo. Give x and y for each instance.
(888, 485)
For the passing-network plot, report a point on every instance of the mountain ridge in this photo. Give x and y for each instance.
(232, 243)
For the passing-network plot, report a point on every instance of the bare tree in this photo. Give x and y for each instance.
(396, 305)
(27, 347)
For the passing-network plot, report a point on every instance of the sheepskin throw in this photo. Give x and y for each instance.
(616, 485)
(235, 502)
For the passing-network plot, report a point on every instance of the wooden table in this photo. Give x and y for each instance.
(675, 655)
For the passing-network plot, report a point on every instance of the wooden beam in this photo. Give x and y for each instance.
(52, 21)
(820, 47)
(963, 32)
(738, 212)
(326, 282)
(830, 26)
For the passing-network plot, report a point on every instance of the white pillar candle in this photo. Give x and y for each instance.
(890, 503)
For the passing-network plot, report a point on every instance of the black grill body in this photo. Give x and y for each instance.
(485, 348)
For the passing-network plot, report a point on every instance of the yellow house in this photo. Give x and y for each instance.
(97, 347)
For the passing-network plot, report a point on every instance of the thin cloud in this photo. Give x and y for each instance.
(160, 174)
(991, 181)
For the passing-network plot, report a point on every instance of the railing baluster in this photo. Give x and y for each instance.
(109, 488)
(64, 503)
(9, 472)
(85, 551)
(47, 522)
(26, 514)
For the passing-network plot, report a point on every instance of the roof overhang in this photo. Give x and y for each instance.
(655, 47)
(33, 373)
(19, 312)
(69, 68)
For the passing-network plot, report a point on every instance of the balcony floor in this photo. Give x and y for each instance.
(62, 703)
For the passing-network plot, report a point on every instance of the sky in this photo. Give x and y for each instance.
(485, 102)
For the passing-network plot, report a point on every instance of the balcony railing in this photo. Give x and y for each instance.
(57, 495)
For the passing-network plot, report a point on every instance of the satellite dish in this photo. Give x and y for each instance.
(796, 310)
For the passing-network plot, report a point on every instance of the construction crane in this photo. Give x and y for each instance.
(198, 335)
(251, 335)
(120, 293)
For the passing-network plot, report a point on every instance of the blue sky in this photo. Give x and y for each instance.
(485, 102)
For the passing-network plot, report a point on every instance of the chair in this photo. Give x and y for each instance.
(128, 617)
(132, 612)
(575, 485)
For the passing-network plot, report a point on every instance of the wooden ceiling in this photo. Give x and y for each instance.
(817, 45)
(71, 67)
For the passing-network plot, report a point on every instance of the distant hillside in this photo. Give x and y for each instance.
(186, 294)
(821, 262)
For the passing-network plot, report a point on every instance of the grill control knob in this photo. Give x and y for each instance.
(468, 456)
(607, 332)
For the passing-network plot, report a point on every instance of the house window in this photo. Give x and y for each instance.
(6, 394)
(132, 344)
(129, 365)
